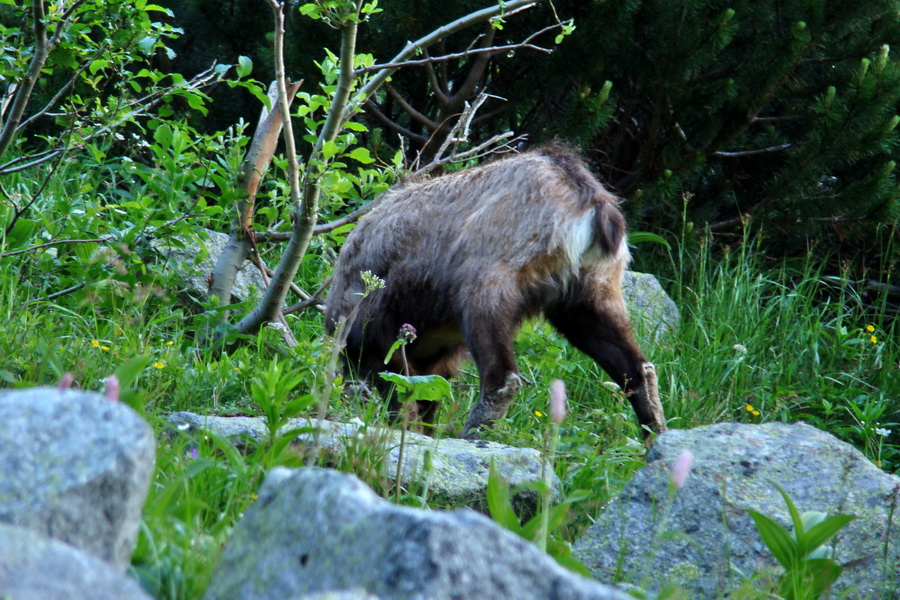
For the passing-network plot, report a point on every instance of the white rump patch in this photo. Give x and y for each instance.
(578, 248)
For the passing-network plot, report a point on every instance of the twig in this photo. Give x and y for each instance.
(743, 153)
(310, 300)
(58, 243)
(55, 295)
(456, 55)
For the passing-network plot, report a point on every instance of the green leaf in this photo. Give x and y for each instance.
(362, 155)
(779, 542)
(329, 149)
(796, 519)
(244, 66)
(499, 506)
(420, 387)
(130, 369)
(821, 533)
(639, 237)
(825, 572)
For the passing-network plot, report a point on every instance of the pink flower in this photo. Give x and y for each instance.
(112, 388)
(682, 468)
(557, 401)
(66, 381)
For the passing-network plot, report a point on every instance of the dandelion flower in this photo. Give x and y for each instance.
(104, 348)
(159, 365)
(755, 413)
(538, 413)
(878, 463)
(873, 339)
(749, 408)
(169, 343)
(95, 343)
(870, 328)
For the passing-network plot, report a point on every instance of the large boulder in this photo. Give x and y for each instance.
(34, 567)
(457, 470)
(76, 467)
(315, 530)
(652, 310)
(697, 537)
(194, 260)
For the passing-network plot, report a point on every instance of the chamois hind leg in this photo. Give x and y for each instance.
(595, 320)
(490, 341)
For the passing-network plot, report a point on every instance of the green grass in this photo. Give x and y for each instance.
(783, 339)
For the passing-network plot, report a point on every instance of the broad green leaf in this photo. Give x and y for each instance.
(777, 539)
(130, 369)
(823, 532)
(362, 155)
(244, 66)
(421, 387)
(499, 506)
(329, 149)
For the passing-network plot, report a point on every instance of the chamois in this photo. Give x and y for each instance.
(467, 256)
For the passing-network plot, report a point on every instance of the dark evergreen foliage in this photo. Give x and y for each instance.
(783, 111)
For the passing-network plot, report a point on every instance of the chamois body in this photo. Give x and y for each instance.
(468, 256)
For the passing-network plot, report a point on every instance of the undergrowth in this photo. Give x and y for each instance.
(758, 342)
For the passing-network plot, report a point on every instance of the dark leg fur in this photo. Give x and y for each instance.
(602, 331)
(490, 342)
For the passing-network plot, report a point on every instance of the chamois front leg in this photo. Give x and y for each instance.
(490, 343)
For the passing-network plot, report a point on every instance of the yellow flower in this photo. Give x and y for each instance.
(104, 348)
(159, 365)
(870, 328)
(877, 463)
(169, 343)
(749, 408)
(873, 339)
(755, 413)
(538, 413)
(95, 343)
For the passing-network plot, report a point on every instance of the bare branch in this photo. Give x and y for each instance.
(743, 153)
(406, 106)
(395, 127)
(310, 300)
(457, 55)
(439, 34)
(55, 295)
(100, 240)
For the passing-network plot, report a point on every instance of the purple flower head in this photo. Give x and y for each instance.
(407, 333)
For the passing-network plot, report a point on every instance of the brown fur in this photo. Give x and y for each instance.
(466, 257)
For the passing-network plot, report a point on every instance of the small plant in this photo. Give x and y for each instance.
(544, 527)
(809, 567)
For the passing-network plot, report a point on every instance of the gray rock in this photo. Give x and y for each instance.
(690, 540)
(459, 468)
(33, 567)
(314, 530)
(652, 311)
(76, 467)
(195, 263)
